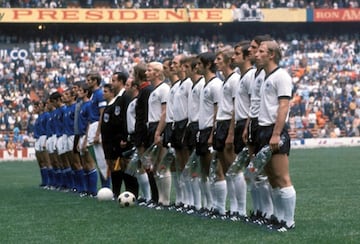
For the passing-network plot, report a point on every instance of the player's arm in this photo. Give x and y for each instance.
(161, 125)
(98, 129)
(282, 113)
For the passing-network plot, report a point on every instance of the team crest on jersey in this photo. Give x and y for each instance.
(117, 110)
(106, 117)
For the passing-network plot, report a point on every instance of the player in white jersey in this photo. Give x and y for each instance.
(191, 70)
(276, 93)
(224, 129)
(180, 123)
(260, 189)
(235, 179)
(209, 98)
(156, 124)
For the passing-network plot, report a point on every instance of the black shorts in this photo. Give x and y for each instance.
(140, 136)
(254, 134)
(238, 131)
(265, 133)
(202, 146)
(190, 135)
(168, 131)
(111, 151)
(151, 133)
(177, 139)
(220, 134)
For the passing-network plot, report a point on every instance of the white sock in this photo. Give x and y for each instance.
(208, 195)
(266, 202)
(165, 183)
(240, 193)
(254, 191)
(196, 190)
(231, 194)
(188, 191)
(278, 207)
(144, 185)
(203, 194)
(184, 192)
(159, 187)
(178, 192)
(288, 199)
(220, 190)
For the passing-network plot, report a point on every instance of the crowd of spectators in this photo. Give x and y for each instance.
(180, 3)
(325, 71)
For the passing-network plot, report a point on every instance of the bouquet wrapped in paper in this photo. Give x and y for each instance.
(166, 161)
(213, 166)
(133, 164)
(193, 164)
(258, 163)
(241, 160)
(149, 156)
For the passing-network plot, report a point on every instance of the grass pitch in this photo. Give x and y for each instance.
(326, 180)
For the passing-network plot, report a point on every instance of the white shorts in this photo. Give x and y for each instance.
(91, 133)
(61, 144)
(40, 144)
(51, 144)
(70, 143)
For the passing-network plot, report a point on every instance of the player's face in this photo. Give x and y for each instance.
(186, 68)
(151, 73)
(201, 69)
(167, 68)
(128, 84)
(116, 84)
(81, 93)
(108, 95)
(220, 63)
(175, 65)
(253, 49)
(238, 58)
(262, 55)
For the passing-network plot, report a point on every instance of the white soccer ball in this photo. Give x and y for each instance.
(126, 199)
(105, 194)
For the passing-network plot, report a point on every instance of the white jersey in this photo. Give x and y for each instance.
(170, 102)
(157, 97)
(226, 105)
(130, 116)
(277, 84)
(194, 100)
(181, 100)
(242, 95)
(255, 94)
(210, 96)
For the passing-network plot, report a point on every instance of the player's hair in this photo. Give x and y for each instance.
(208, 58)
(244, 45)
(55, 96)
(139, 72)
(85, 87)
(185, 59)
(193, 62)
(227, 52)
(121, 76)
(261, 38)
(273, 47)
(95, 76)
(109, 87)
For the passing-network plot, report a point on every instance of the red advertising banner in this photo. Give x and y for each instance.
(337, 15)
(34, 15)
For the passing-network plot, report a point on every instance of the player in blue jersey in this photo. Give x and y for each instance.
(65, 169)
(88, 163)
(40, 144)
(97, 105)
(68, 98)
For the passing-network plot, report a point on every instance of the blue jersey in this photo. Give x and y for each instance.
(59, 120)
(97, 102)
(69, 116)
(84, 117)
(40, 124)
(50, 125)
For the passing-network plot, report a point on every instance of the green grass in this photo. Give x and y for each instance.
(326, 180)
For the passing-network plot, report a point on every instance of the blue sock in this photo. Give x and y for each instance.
(80, 180)
(51, 177)
(105, 183)
(44, 176)
(92, 177)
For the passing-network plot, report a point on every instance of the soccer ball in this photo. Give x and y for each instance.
(105, 194)
(126, 199)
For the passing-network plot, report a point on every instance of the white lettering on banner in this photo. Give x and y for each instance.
(325, 142)
(18, 54)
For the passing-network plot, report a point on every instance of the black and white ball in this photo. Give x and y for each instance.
(126, 199)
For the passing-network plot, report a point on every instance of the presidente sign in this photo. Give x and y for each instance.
(67, 15)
